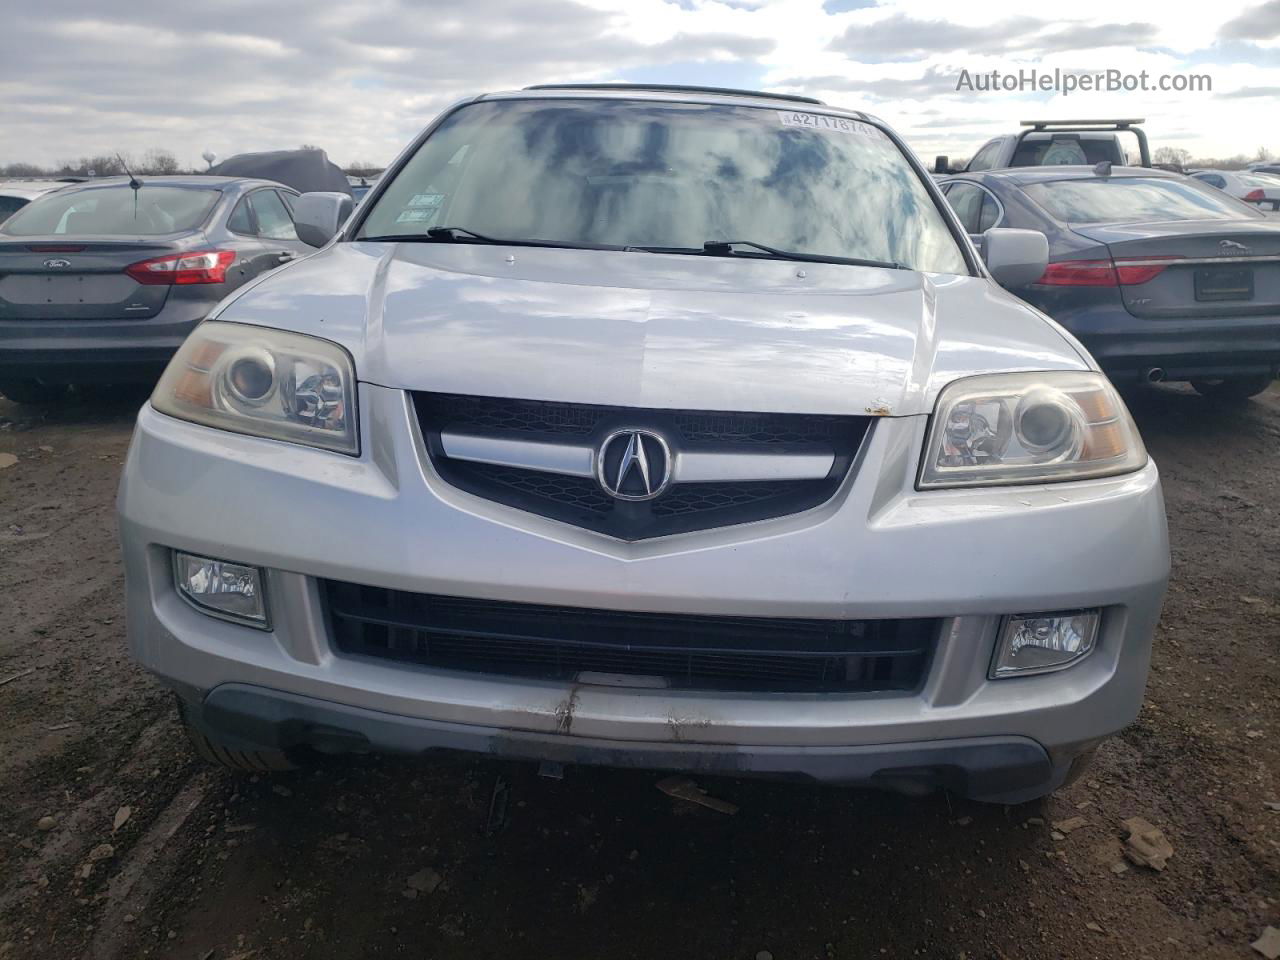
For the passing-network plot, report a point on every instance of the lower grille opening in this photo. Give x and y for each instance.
(685, 651)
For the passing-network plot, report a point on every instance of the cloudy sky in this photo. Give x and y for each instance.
(79, 77)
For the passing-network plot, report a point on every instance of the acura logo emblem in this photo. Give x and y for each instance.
(633, 464)
(57, 263)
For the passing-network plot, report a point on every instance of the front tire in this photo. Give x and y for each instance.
(1233, 389)
(32, 392)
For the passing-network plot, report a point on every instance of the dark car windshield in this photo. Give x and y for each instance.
(1059, 150)
(1135, 200)
(111, 210)
(9, 206)
(632, 173)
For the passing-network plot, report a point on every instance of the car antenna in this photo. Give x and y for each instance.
(134, 184)
(1103, 168)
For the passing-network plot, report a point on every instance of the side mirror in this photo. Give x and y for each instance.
(942, 163)
(1015, 257)
(318, 216)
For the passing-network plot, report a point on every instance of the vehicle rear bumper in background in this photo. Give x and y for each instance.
(89, 363)
(1126, 346)
(1186, 357)
(109, 351)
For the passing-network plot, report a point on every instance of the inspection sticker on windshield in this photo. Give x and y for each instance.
(820, 121)
(419, 215)
(426, 200)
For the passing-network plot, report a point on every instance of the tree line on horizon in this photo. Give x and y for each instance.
(161, 162)
(153, 163)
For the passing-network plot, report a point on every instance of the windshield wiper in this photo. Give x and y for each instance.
(463, 235)
(712, 248)
(724, 248)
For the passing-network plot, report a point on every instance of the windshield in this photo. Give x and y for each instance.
(1069, 149)
(1264, 181)
(1134, 200)
(111, 210)
(10, 206)
(672, 175)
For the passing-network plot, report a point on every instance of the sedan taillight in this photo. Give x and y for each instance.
(205, 266)
(1104, 273)
(1255, 195)
(1079, 273)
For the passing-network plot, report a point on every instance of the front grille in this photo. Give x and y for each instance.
(683, 507)
(694, 498)
(697, 426)
(508, 416)
(686, 651)
(577, 492)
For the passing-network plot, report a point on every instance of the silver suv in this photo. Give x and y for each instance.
(656, 427)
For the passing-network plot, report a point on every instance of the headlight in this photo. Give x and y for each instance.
(1029, 428)
(264, 382)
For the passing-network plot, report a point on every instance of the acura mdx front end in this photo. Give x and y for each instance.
(670, 429)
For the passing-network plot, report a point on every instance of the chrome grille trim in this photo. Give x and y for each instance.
(563, 458)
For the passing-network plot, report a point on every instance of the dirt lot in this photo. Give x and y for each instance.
(149, 854)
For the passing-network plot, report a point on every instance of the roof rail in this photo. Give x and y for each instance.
(675, 88)
(1046, 124)
(1089, 126)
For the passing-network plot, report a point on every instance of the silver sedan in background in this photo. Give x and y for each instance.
(1260, 188)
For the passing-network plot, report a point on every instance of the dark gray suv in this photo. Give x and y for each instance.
(102, 281)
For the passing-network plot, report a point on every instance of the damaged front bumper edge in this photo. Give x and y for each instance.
(1006, 769)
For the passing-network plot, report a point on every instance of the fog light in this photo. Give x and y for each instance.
(232, 591)
(1040, 642)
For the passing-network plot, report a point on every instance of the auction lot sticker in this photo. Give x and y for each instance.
(821, 121)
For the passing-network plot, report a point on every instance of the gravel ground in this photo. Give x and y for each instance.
(115, 843)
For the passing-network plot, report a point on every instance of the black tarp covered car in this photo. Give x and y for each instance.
(306, 171)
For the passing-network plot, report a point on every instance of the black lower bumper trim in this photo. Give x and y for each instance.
(1007, 769)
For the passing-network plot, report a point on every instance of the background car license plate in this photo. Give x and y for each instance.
(28, 289)
(1221, 283)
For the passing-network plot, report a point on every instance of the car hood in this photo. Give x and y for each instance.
(653, 330)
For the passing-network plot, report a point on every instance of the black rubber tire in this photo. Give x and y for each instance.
(230, 758)
(1233, 389)
(32, 391)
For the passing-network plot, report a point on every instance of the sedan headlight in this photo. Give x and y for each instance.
(264, 382)
(1012, 428)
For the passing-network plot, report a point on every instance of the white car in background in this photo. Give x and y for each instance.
(1260, 188)
(16, 194)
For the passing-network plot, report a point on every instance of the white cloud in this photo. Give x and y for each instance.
(361, 79)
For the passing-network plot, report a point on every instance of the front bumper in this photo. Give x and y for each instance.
(878, 549)
(1009, 769)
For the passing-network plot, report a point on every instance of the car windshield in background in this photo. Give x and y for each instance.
(1060, 151)
(631, 173)
(1263, 181)
(112, 210)
(9, 206)
(1135, 200)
